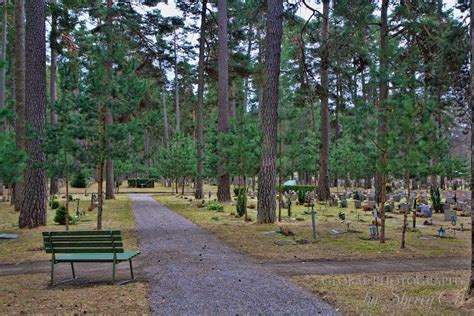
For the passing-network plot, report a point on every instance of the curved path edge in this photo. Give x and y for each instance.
(192, 272)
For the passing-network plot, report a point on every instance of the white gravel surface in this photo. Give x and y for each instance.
(191, 272)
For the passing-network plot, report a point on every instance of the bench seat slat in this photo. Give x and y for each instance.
(82, 232)
(82, 238)
(85, 244)
(96, 257)
(84, 250)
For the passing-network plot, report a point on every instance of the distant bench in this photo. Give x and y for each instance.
(87, 246)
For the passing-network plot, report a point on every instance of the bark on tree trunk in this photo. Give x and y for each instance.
(17, 195)
(54, 185)
(223, 189)
(109, 121)
(382, 128)
(471, 283)
(176, 84)
(109, 168)
(33, 205)
(3, 55)
(199, 191)
(323, 185)
(269, 113)
(165, 115)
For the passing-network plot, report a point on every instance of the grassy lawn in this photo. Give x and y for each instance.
(31, 293)
(436, 293)
(250, 237)
(426, 293)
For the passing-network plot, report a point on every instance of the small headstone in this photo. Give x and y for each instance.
(337, 232)
(8, 236)
(426, 237)
(448, 215)
(270, 234)
(403, 207)
(357, 204)
(285, 242)
(446, 207)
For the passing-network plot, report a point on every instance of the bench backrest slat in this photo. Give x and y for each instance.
(104, 241)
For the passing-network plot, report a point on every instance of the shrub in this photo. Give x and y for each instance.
(79, 180)
(436, 200)
(238, 191)
(241, 204)
(54, 204)
(343, 203)
(296, 188)
(215, 207)
(356, 195)
(301, 196)
(141, 183)
(60, 217)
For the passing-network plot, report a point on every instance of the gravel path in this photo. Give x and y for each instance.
(191, 272)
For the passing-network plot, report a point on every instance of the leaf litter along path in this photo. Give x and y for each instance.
(192, 272)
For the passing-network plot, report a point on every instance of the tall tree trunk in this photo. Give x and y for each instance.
(223, 189)
(471, 283)
(3, 56)
(54, 184)
(382, 117)
(33, 205)
(109, 121)
(176, 85)
(109, 167)
(199, 192)
(323, 185)
(246, 81)
(165, 115)
(17, 195)
(269, 113)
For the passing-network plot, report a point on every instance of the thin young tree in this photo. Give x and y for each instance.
(269, 114)
(223, 189)
(33, 205)
(199, 193)
(323, 183)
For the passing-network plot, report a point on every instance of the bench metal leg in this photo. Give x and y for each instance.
(131, 268)
(72, 269)
(52, 272)
(113, 272)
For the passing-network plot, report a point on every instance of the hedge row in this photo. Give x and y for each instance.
(297, 188)
(141, 183)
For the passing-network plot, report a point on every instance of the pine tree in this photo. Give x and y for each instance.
(269, 113)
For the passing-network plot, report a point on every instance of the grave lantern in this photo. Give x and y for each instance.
(453, 220)
(372, 230)
(441, 232)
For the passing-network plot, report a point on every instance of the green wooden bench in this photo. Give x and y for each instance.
(87, 246)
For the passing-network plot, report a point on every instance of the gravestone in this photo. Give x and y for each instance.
(403, 207)
(357, 204)
(450, 200)
(446, 207)
(425, 210)
(448, 215)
